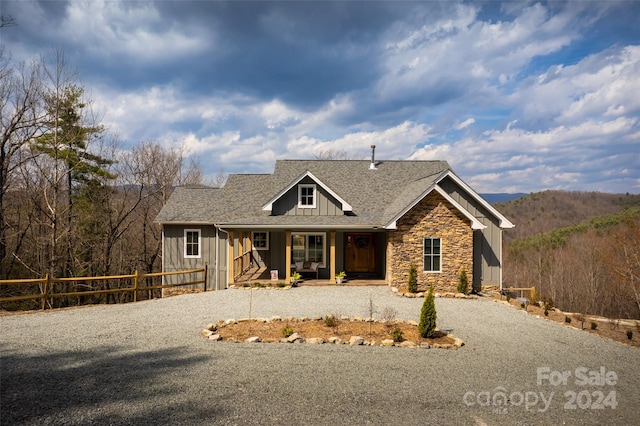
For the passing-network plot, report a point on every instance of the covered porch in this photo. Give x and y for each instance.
(254, 254)
(264, 275)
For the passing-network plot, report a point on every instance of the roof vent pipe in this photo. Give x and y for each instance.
(372, 166)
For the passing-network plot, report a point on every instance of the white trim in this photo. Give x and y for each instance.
(504, 222)
(253, 240)
(303, 186)
(475, 223)
(440, 255)
(191, 256)
(346, 207)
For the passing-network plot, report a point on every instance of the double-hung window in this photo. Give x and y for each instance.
(192, 243)
(432, 254)
(307, 196)
(308, 248)
(260, 240)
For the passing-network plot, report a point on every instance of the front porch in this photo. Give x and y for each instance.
(263, 274)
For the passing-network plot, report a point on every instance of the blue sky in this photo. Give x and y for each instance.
(516, 96)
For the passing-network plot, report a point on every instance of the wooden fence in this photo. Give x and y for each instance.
(530, 291)
(47, 285)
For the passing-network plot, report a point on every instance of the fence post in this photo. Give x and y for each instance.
(45, 292)
(205, 276)
(135, 285)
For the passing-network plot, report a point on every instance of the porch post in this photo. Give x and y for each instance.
(332, 255)
(287, 256)
(231, 261)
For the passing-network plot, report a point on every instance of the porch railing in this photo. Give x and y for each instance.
(241, 264)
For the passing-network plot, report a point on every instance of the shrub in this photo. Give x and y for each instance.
(286, 331)
(522, 305)
(413, 279)
(567, 319)
(281, 284)
(396, 335)
(508, 297)
(427, 323)
(463, 282)
(259, 285)
(594, 325)
(546, 311)
(629, 334)
(330, 321)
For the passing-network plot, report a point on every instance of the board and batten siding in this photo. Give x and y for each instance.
(487, 243)
(175, 260)
(326, 204)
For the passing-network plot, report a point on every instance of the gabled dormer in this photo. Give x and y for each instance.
(307, 196)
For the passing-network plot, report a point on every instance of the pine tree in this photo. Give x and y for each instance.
(463, 282)
(413, 279)
(427, 325)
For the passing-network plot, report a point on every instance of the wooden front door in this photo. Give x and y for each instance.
(360, 252)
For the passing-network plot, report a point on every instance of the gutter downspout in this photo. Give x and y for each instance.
(501, 265)
(164, 277)
(218, 255)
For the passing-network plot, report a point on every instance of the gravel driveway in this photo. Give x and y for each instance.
(147, 363)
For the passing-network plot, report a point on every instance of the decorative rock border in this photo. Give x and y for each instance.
(269, 286)
(210, 332)
(445, 295)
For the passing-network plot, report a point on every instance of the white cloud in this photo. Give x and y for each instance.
(564, 157)
(468, 54)
(603, 84)
(466, 123)
(131, 30)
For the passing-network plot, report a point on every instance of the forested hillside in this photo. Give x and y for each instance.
(580, 250)
(73, 201)
(544, 211)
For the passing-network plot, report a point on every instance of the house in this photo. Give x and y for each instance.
(370, 219)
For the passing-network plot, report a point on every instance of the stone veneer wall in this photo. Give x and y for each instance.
(433, 217)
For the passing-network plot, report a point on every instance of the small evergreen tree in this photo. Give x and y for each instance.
(413, 279)
(427, 324)
(463, 282)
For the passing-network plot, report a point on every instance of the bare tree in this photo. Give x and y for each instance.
(21, 116)
(331, 154)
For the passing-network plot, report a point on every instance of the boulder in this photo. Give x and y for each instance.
(215, 337)
(412, 322)
(315, 340)
(356, 340)
(207, 332)
(254, 339)
(408, 344)
(335, 339)
(212, 327)
(387, 342)
(425, 345)
(295, 338)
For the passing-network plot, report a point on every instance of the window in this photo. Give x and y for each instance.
(307, 196)
(260, 240)
(192, 243)
(307, 248)
(432, 254)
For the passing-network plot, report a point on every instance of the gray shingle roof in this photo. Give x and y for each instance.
(375, 195)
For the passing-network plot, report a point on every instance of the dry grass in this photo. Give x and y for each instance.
(271, 332)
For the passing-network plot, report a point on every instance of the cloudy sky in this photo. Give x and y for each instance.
(516, 96)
